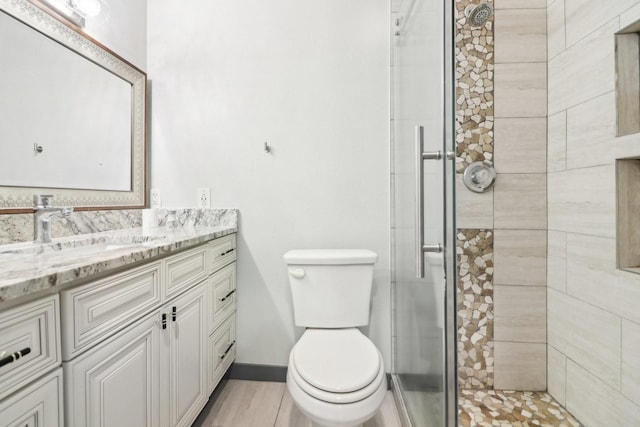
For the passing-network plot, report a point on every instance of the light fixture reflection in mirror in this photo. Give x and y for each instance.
(87, 8)
(76, 11)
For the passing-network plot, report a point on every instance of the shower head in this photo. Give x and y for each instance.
(478, 15)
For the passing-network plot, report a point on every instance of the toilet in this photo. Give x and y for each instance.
(336, 374)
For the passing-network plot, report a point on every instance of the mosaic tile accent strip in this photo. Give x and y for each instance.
(475, 308)
(474, 89)
(511, 408)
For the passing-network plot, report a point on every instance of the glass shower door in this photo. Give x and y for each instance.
(423, 201)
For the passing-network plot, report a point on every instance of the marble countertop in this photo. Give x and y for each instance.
(28, 268)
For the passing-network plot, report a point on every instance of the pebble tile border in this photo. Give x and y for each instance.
(474, 89)
(511, 409)
(475, 308)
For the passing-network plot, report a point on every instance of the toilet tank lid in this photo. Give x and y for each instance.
(330, 256)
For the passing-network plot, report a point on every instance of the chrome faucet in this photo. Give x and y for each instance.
(44, 212)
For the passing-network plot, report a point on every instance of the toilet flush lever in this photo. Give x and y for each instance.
(298, 273)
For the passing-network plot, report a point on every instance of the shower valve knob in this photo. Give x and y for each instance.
(479, 176)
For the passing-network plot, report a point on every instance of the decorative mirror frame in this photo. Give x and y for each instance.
(20, 199)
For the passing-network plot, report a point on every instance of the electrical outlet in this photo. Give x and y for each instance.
(156, 201)
(204, 198)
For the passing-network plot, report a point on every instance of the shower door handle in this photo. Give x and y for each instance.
(421, 156)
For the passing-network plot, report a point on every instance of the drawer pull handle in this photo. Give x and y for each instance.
(229, 251)
(174, 313)
(164, 320)
(223, 355)
(14, 356)
(227, 295)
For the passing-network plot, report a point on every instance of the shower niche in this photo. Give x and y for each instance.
(628, 80)
(628, 214)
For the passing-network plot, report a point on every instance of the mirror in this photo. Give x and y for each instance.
(73, 116)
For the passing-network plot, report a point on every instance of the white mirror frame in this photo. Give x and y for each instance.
(20, 199)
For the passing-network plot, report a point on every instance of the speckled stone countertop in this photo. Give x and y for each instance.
(28, 268)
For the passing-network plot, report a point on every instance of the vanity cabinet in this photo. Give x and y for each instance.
(153, 374)
(147, 346)
(141, 347)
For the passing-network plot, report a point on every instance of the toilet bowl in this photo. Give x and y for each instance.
(336, 377)
(336, 374)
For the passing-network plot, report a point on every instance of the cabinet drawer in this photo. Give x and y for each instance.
(185, 270)
(95, 311)
(222, 294)
(36, 327)
(223, 251)
(222, 350)
(38, 405)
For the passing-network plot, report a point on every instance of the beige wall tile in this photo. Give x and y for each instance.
(583, 201)
(592, 276)
(557, 142)
(520, 313)
(520, 145)
(515, 28)
(630, 16)
(520, 90)
(584, 16)
(595, 403)
(591, 132)
(520, 366)
(556, 374)
(631, 361)
(555, 28)
(520, 201)
(583, 72)
(473, 210)
(520, 4)
(520, 257)
(557, 260)
(587, 335)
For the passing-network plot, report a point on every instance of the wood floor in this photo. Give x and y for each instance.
(237, 403)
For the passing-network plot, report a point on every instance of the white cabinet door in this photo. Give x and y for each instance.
(117, 383)
(37, 405)
(184, 356)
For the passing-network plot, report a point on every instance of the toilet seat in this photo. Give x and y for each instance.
(336, 365)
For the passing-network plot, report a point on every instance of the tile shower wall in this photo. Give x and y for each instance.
(593, 308)
(501, 117)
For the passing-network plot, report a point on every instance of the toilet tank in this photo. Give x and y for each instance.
(331, 288)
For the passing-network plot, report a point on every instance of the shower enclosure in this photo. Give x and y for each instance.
(423, 234)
